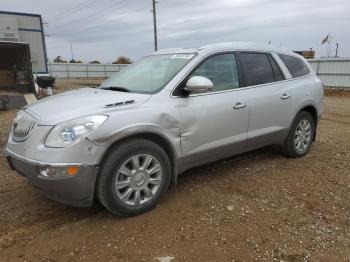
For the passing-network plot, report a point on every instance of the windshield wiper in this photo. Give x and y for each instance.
(116, 88)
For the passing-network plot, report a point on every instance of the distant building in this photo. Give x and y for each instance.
(306, 54)
(28, 29)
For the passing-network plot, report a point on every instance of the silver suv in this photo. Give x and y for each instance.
(128, 139)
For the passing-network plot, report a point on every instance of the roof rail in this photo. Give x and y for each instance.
(169, 49)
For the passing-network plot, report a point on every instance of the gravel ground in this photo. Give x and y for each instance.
(257, 206)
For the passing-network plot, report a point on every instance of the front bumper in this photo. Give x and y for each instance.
(77, 190)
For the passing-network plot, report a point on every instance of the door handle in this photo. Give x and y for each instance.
(285, 96)
(239, 105)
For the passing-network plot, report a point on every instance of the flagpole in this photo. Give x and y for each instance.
(329, 45)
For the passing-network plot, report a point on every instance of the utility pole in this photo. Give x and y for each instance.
(45, 24)
(310, 54)
(154, 2)
(71, 49)
(336, 50)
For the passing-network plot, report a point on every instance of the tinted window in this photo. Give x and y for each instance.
(256, 68)
(221, 70)
(296, 66)
(276, 70)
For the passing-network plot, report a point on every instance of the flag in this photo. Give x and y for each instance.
(325, 40)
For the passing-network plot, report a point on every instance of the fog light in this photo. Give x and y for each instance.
(58, 171)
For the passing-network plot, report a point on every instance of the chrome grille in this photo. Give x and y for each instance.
(22, 126)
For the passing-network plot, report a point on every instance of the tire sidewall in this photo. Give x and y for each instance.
(117, 158)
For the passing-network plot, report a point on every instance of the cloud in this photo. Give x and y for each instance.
(105, 29)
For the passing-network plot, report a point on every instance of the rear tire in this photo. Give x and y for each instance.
(300, 136)
(133, 177)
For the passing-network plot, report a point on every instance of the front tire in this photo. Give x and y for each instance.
(300, 136)
(133, 177)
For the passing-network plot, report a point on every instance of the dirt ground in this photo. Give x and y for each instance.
(259, 206)
(69, 84)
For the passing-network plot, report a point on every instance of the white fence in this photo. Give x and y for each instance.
(334, 72)
(65, 70)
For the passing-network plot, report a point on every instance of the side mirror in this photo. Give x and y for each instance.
(199, 84)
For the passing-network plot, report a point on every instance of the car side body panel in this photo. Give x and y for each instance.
(194, 130)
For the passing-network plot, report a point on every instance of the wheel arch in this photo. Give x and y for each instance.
(154, 137)
(312, 110)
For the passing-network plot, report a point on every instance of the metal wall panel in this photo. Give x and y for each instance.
(334, 72)
(95, 68)
(67, 70)
(36, 50)
(74, 67)
(29, 22)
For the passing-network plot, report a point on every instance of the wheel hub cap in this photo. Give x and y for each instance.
(302, 135)
(138, 179)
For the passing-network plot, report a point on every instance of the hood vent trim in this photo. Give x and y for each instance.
(127, 102)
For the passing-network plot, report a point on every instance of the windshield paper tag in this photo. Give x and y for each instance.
(183, 56)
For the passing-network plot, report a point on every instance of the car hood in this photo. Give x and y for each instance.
(82, 102)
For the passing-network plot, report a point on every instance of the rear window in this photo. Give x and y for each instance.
(296, 66)
(256, 68)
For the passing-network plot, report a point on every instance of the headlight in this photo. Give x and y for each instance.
(70, 132)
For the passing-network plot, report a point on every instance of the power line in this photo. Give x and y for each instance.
(125, 12)
(109, 9)
(63, 14)
(125, 15)
(95, 13)
(104, 12)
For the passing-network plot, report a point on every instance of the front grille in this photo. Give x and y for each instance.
(9, 35)
(22, 126)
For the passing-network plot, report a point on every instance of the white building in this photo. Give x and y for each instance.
(26, 28)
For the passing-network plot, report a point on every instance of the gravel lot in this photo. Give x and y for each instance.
(258, 206)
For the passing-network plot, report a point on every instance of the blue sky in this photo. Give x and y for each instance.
(103, 30)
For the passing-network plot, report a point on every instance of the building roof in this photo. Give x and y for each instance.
(18, 13)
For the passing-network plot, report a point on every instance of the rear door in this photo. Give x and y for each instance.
(271, 99)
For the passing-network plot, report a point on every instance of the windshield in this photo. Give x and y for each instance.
(149, 75)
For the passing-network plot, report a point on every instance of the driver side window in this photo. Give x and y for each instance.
(221, 70)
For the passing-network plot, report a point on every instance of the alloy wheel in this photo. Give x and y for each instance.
(302, 135)
(138, 179)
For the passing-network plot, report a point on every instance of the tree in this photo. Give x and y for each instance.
(75, 61)
(123, 60)
(95, 62)
(59, 59)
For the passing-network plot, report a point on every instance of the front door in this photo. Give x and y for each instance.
(215, 123)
